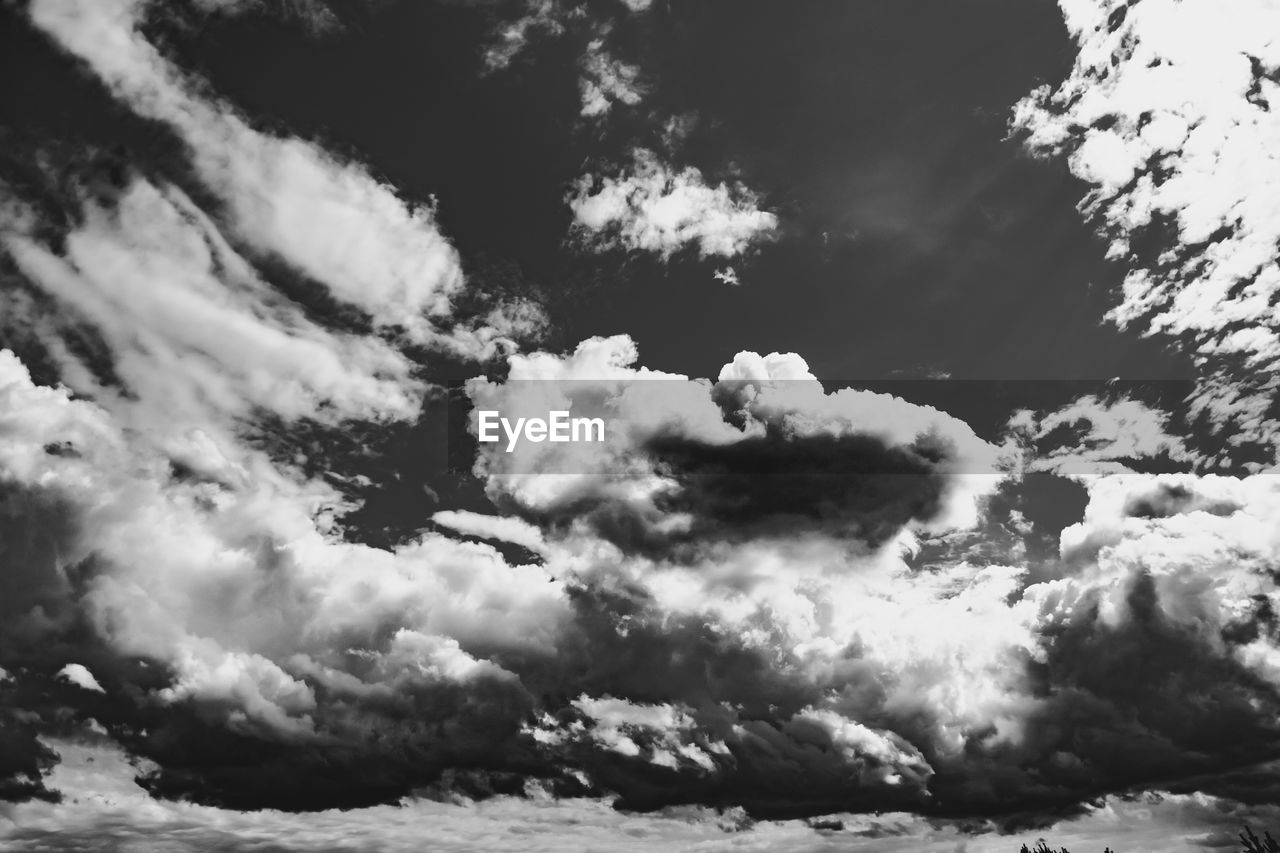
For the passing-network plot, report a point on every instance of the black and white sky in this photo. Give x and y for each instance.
(937, 345)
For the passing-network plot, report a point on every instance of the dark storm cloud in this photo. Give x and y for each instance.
(855, 487)
(1167, 500)
(621, 644)
(1115, 704)
(849, 485)
(764, 453)
(373, 741)
(772, 769)
(692, 714)
(759, 478)
(366, 751)
(1120, 707)
(42, 628)
(23, 758)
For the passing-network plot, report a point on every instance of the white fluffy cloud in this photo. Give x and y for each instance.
(81, 677)
(775, 394)
(653, 207)
(234, 584)
(606, 80)
(1170, 113)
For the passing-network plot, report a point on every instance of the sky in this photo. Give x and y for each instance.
(935, 344)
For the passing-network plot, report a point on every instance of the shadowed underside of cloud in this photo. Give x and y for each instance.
(839, 480)
(688, 466)
(770, 487)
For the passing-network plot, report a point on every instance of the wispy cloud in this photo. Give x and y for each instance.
(285, 197)
(1169, 113)
(606, 81)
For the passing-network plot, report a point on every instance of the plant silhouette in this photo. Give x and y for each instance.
(1042, 847)
(1252, 844)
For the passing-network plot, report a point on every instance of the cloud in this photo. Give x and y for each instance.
(285, 197)
(606, 80)
(497, 527)
(189, 324)
(264, 637)
(170, 549)
(1095, 436)
(513, 37)
(659, 753)
(1168, 113)
(654, 208)
(690, 638)
(256, 657)
(110, 812)
(786, 672)
(728, 275)
(316, 17)
(80, 677)
(763, 453)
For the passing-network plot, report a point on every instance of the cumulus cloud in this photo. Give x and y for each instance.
(762, 453)
(259, 627)
(606, 81)
(81, 677)
(789, 671)
(1071, 669)
(653, 207)
(1168, 112)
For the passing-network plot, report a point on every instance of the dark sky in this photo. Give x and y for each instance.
(875, 130)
